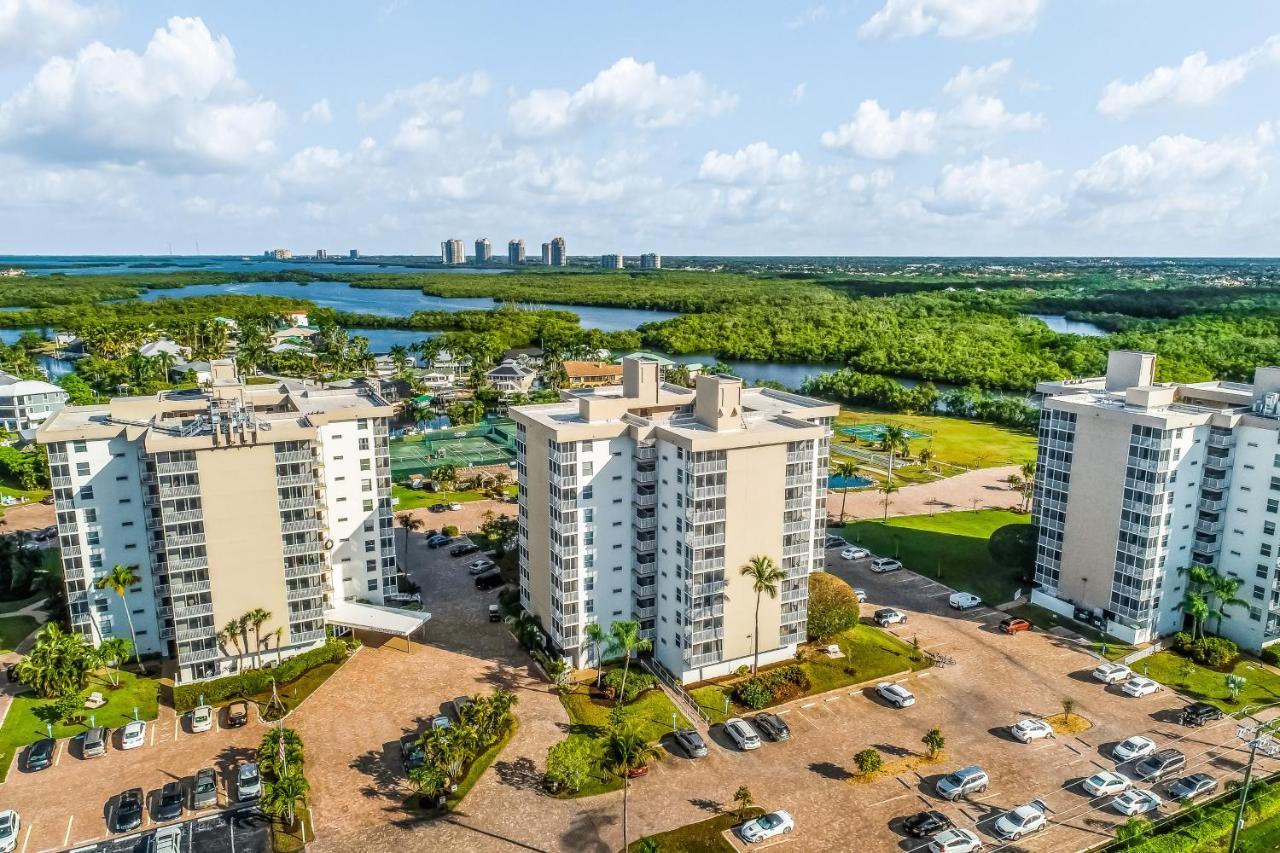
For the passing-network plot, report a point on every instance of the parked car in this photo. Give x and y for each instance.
(895, 694)
(1133, 747)
(94, 743)
(437, 508)
(772, 725)
(1136, 801)
(860, 594)
(412, 753)
(691, 742)
(495, 613)
(1161, 765)
(490, 580)
(455, 507)
(963, 600)
(1029, 730)
(441, 721)
(835, 542)
(1106, 783)
(1013, 625)
(169, 803)
(40, 754)
(439, 541)
(743, 736)
(459, 705)
(134, 735)
(1199, 713)
(167, 839)
(853, 552)
(479, 567)
(464, 550)
(886, 616)
(955, 841)
(767, 826)
(1023, 820)
(248, 782)
(962, 782)
(202, 719)
(128, 815)
(1111, 673)
(237, 714)
(926, 823)
(204, 789)
(10, 826)
(1190, 787)
(882, 565)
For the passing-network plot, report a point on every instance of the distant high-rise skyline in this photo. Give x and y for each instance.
(611, 262)
(651, 261)
(546, 254)
(559, 256)
(515, 253)
(484, 251)
(452, 253)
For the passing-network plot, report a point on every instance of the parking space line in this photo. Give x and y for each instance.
(154, 726)
(62, 747)
(25, 839)
(66, 839)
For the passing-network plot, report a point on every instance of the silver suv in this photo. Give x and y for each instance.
(962, 782)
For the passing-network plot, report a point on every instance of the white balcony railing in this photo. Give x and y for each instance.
(303, 592)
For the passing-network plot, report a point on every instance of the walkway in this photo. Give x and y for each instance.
(984, 488)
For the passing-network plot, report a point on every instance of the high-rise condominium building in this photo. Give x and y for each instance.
(611, 262)
(559, 253)
(515, 253)
(546, 254)
(643, 501)
(1138, 481)
(650, 261)
(452, 253)
(224, 501)
(321, 254)
(354, 254)
(484, 251)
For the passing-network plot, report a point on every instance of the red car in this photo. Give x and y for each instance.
(1013, 625)
(635, 772)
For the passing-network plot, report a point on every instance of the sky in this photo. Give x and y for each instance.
(867, 127)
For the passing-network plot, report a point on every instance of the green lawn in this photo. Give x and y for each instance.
(18, 604)
(869, 653)
(702, 837)
(295, 692)
(21, 726)
(951, 547)
(1208, 685)
(13, 629)
(1263, 837)
(954, 441)
(416, 498)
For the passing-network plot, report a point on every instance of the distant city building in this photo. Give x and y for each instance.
(281, 254)
(452, 253)
(611, 262)
(650, 261)
(354, 254)
(321, 254)
(559, 253)
(484, 251)
(26, 403)
(546, 254)
(515, 253)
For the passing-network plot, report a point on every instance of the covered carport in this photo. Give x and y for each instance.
(376, 619)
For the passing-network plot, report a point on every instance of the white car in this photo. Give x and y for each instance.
(884, 564)
(742, 734)
(1029, 730)
(454, 507)
(860, 594)
(479, 567)
(1137, 801)
(1023, 820)
(202, 719)
(10, 826)
(134, 735)
(767, 826)
(963, 600)
(1140, 686)
(1134, 747)
(1106, 783)
(955, 841)
(1111, 673)
(895, 694)
(853, 552)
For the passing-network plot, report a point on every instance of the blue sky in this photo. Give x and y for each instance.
(963, 127)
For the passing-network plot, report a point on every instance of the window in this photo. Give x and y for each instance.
(586, 493)
(1261, 570)
(1273, 505)
(90, 515)
(362, 423)
(373, 584)
(86, 493)
(365, 464)
(1265, 549)
(366, 485)
(589, 537)
(368, 505)
(368, 527)
(79, 447)
(1269, 528)
(82, 469)
(92, 537)
(588, 468)
(589, 514)
(364, 444)
(370, 565)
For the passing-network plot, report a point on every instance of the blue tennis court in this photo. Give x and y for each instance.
(875, 432)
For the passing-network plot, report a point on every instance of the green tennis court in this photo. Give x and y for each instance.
(875, 432)
(487, 444)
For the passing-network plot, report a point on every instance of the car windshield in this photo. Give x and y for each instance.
(6, 823)
(249, 776)
(769, 821)
(205, 785)
(953, 779)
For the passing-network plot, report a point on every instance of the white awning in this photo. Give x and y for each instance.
(380, 620)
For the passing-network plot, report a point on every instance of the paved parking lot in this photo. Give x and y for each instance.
(239, 831)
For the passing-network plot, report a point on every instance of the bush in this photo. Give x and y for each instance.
(1181, 641)
(253, 681)
(868, 761)
(1270, 655)
(770, 688)
(1216, 652)
(753, 694)
(833, 606)
(568, 766)
(638, 681)
(449, 530)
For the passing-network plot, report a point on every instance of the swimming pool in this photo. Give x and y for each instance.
(854, 482)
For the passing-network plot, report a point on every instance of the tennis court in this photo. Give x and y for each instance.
(875, 432)
(486, 444)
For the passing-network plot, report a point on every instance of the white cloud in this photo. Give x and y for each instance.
(797, 94)
(987, 113)
(995, 187)
(628, 91)
(973, 81)
(874, 134)
(319, 113)
(865, 188)
(1193, 83)
(427, 110)
(758, 163)
(178, 106)
(1173, 165)
(952, 18)
(35, 29)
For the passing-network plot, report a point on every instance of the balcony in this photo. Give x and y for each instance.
(703, 493)
(714, 467)
(705, 540)
(1140, 529)
(306, 615)
(188, 588)
(800, 550)
(790, 527)
(187, 634)
(184, 541)
(296, 572)
(645, 570)
(794, 456)
(565, 528)
(563, 457)
(58, 458)
(1202, 547)
(706, 659)
(795, 594)
(1220, 440)
(60, 482)
(791, 504)
(306, 636)
(646, 452)
(564, 481)
(796, 637)
(185, 467)
(303, 593)
(290, 456)
(1208, 505)
(710, 516)
(187, 565)
(71, 550)
(191, 611)
(645, 546)
(174, 492)
(309, 502)
(645, 498)
(713, 612)
(645, 587)
(1211, 527)
(710, 588)
(564, 504)
(644, 477)
(301, 526)
(186, 516)
(649, 522)
(796, 615)
(700, 566)
(186, 656)
(312, 547)
(290, 480)
(708, 635)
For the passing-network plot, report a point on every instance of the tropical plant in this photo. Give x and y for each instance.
(925, 456)
(270, 746)
(63, 709)
(1235, 683)
(283, 795)
(868, 761)
(409, 523)
(256, 618)
(765, 577)
(279, 634)
(1223, 589)
(742, 797)
(568, 765)
(119, 580)
(111, 653)
(1197, 607)
(594, 635)
(887, 488)
(848, 471)
(934, 742)
(624, 752)
(430, 781)
(1068, 705)
(626, 640)
(58, 663)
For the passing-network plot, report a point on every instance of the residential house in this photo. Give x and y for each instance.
(512, 378)
(592, 374)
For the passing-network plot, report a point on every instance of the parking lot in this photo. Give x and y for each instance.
(244, 830)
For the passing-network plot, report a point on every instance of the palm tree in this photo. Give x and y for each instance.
(119, 581)
(283, 795)
(232, 632)
(399, 354)
(1224, 588)
(269, 749)
(891, 439)
(594, 635)
(887, 489)
(1195, 606)
(58, 664)
(409, 523)
(626, 751)
(626, 639)
(847, 470)
(257, 617)
(112, 652)
(279, 632)
(765, 577)
(446, 476)
(926, 455)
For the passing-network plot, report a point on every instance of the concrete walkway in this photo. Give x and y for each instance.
(981, 489)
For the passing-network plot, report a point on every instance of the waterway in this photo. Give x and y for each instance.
(1063, 326)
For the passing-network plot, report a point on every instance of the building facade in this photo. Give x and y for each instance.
(642, 501)
(484, 251)
(611, 262)
(650, 261)
(559, 256)
(515, 253)
(452, 253)
(27, 403)
(223, 501)
(591, 374)
(1138, 481)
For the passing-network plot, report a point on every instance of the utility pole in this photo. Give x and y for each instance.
(1258, 737)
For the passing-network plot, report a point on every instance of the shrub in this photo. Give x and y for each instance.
(1214, 651)
(449, 530)
(753, 694)
(833, 606)
(742, 670)
(1181, 641)
(568, 766)
(868, 761)
(770, 688)
(1271, 655)
(638, 681)
(250, 682)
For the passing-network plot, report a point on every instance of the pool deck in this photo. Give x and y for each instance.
(981, 489)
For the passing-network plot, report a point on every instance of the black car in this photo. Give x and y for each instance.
(464, 550)
(237, 714)
(438, 508)
(169, 803)
(1190, 787)
(772, 725)
(489, 580)
(412, 752)
(1164, 763)
(926, 823)
(1199, 713)
(40, 755)
(691, 742)
(129, 811)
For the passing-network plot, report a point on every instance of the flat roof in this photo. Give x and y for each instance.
(376, 618)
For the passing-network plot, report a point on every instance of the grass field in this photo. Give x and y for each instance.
(1260, 838)
(1262, 686)
(417, 498)
(295, 692)
(18, 604)
(13, 629)
(705, 836)
(954, 441)
(951, 547)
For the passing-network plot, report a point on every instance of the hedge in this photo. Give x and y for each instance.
(253, 681)
(1193, 829)
(772, 687)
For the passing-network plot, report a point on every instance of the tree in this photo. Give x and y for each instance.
(283, 795)
(269, 750)
(926, 456)
(232, 632)
(62, 709)
(848, 471)
(742, 797)
(112, 652)
(1133, 829)
(887, 488)
(1223, 589)
(868, 761)
(568, 765)
(58, 664)
(446, 476)
(409, 523)
(765, 578)
(257, 617)
(626, 639)
(1068, 705)
(279, 632)
(1235, 683)
(119, 581)
(626, 751)
(430, 781)
(934, 742)
(1197, 607)
(833, 606)
(594, 635)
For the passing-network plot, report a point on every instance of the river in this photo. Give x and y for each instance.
(1063, 326)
